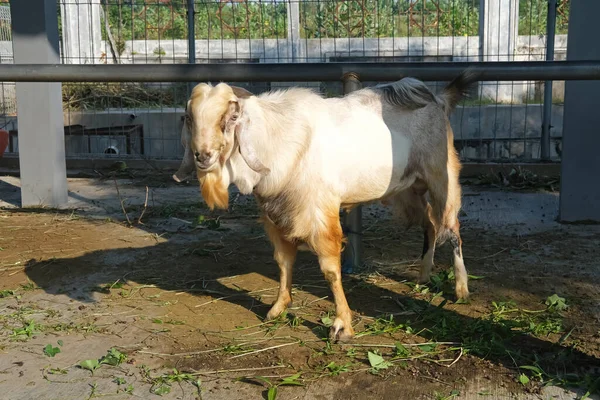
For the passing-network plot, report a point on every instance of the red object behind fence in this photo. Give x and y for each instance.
(3, 141)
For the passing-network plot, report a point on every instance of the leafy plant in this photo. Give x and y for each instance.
(90, 365)
(377, 362)
(28, 330)
(335, 369)
(6, 293)
(556, 303)
(51, 351)
(292, 380)
(113, 357)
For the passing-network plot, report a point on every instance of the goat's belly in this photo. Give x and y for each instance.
(374, 172)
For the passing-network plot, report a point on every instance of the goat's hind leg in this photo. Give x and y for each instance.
(285, 255)
(411, 208)
(460, 272)
(429, 243)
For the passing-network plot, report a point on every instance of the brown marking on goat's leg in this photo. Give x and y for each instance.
(328, 247)
(428, 249)
(341, 330)
(285, 255)
(460, 272)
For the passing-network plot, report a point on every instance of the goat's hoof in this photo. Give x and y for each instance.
(276, 311)
(340, 331)
(423, 279)
(462, 292)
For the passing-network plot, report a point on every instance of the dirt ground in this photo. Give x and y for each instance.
(172, 304)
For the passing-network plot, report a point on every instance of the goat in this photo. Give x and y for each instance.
(304, 157)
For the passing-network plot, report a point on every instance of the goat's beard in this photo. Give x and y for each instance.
(213, 189)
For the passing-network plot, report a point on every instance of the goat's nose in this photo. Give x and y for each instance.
(202, 156)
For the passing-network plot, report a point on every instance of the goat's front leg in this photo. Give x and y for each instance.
(285, 255)
(341, 330)
(328, 249)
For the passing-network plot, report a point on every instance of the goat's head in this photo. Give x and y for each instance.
(213, 127)
(187, 166)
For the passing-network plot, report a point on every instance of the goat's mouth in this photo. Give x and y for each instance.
(207, 165)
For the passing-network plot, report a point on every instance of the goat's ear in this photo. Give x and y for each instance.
(232, 115)
(248, 151)
(241, 92)
(187, 163)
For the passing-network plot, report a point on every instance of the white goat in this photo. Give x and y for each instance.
(303, 157)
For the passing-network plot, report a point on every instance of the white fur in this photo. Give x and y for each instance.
(350, 150)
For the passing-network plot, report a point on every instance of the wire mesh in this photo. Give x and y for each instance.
(501, 123)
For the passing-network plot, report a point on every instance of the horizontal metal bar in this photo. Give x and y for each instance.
(439, 71)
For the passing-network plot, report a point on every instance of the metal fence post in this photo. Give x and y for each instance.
(42, 162)
(352, 224)
(547, 117)
(191, 14)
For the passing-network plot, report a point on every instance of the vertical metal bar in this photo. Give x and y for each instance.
(191, 14)
(39, 106)
(352, 224)
(481, 29)
(547, 117)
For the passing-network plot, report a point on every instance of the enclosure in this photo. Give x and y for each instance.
(132, 287)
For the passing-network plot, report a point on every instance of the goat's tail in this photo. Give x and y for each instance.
(445, 193)
(457, 89)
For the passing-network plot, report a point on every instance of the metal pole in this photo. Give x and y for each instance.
(352, 255)
(547, 117)
(305, 72)
(191, 14)
(496, 71)
(481, 32)
(42, 164)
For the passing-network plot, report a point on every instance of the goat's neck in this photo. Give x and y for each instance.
(277, 141)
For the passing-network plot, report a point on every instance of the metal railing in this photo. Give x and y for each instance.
(508, 120)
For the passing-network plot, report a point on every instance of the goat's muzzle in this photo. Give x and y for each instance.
(205, 160)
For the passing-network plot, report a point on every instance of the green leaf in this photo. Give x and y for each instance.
(51, 351)
(90, 365)
(119, 381)
(327, 321)
(292, 380)
(523, 379)
(60, 343)
(475, 277)
(377, 361)
(113, 357)
(162, 389)
(401, 351)
(427, 348)
(556, 302)
(272, 393)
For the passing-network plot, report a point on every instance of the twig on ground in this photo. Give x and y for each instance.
(145, 206)
(265, 349)
(222, 371)
(121, 201)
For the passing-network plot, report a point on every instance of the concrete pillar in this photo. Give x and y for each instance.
(39, 106)
(500, 32)
(81, 33)
(293, 29)
(580, 166)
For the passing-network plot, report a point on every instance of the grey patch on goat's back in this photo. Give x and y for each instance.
(409, 93)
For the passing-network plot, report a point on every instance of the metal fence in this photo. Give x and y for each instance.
(503, 122)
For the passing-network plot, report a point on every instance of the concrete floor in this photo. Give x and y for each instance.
(514, 213)
(491, 209)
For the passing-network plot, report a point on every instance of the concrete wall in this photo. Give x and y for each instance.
(516, 129)
(443, 49)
